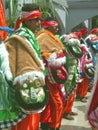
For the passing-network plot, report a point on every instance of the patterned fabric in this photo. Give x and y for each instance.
(72, 59)
(70, 84)
(11, 122)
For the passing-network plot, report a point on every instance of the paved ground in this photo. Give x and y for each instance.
(79, 122)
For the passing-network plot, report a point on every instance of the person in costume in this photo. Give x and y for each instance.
(89, 40)
(85, 60)
(71, 41)
(3, 23)
(24, 71)
(85, 67)
(51, 25)
(85, 34)
(92, 105)
(53, 54)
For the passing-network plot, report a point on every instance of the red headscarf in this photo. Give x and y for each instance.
(46, 24)
(94, 30)
(84, 31)
(79, 34)
(27, 16)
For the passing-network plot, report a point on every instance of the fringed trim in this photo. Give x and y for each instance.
(5, 62)
(34, 75)
(56, 62)
(94, 87)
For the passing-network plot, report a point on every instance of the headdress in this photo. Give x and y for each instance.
(94, 30)
(83, 31)
(46, 24)
(79, 34)
(27, 16)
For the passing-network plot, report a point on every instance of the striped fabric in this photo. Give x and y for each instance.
(12, 122)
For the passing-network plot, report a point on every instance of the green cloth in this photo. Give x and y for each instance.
(70, 84)
(6, 106)
(72, 69)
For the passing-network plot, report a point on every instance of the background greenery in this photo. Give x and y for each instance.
(13, 10)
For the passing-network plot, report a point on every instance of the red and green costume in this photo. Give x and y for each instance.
(52, 51)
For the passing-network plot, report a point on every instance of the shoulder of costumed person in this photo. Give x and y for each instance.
(50, 36)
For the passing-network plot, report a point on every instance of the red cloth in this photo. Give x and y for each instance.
(94, 101)
(53, 112)
(69, 103)
(46, 24)
(31, 122)
(45, 115)
(83, 31)
(92, 113)
(82, 87)
(3, 34)
(94, 30)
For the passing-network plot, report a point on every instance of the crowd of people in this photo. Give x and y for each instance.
(42, 73)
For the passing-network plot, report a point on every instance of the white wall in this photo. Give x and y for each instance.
(77, 13)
